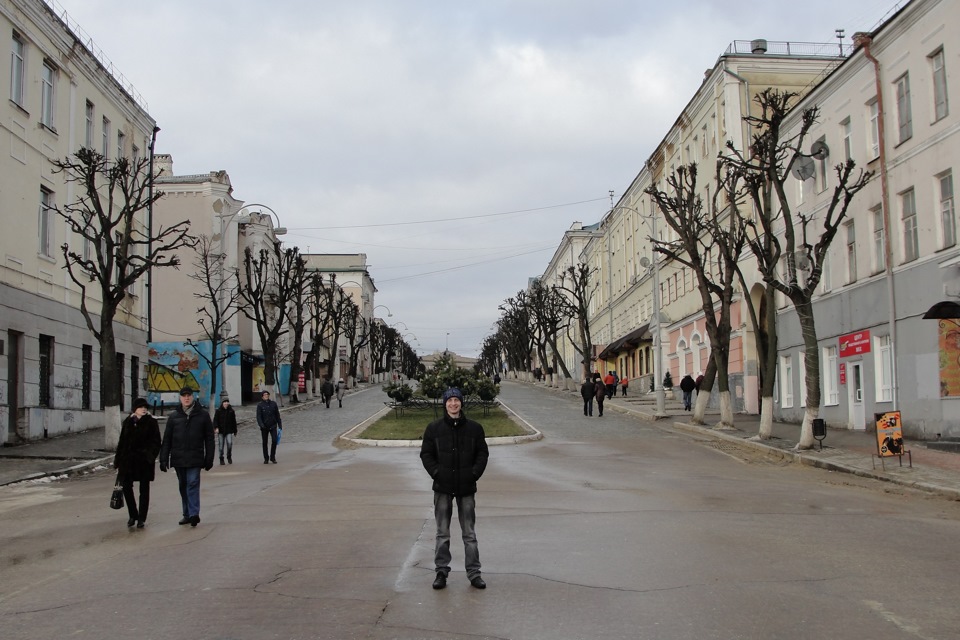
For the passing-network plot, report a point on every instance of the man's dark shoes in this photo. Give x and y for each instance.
(477, 583)
(184, 520)
(141, 524)
(440, 581)
(221, 460)
(194, 521)
(131, 522)
(273, 460)
(266, 462)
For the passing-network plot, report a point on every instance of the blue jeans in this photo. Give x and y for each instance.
(687, 399)
(588, 407)
(226, 439)
(467, 514)
(189, 478)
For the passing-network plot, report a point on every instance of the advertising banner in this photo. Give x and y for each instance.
(854, 344)
(889, 434)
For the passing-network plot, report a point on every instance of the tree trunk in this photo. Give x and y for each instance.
(811, 372)
(706, 388)
(109, 383)
(766, 418)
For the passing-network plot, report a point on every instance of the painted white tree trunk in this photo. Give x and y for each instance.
(806, 429)
(766, 418)
(726, 410)
(111, 421)
(700, 408)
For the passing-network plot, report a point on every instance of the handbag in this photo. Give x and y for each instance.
(116, 498)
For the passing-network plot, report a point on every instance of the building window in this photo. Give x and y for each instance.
(911, 242)
(47, 96)
(874, 131)
(86, 374)
(134, 380)
(105, 142)
(17, 67)
(821, 170)
(879, 241)
(120, 376)
(948, 221)
(884, 369)
(802, 368)
(846, 132)
(121, 144)
(904, 116)
(135, 154)
(851, 252)
(786, 382)
(826, 281)
(88, 132)
(45, 222)
(46, 370)
(830, 377)
(940, 106)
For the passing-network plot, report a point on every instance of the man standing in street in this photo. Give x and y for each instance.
(454, 452)
(188, 446)
(587, 390)
(268, 418)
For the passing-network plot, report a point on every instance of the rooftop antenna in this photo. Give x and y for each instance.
(611, 198)
(840, 33)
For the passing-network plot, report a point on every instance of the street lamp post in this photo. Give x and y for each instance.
(389, 313)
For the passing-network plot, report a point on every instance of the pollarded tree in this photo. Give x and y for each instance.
(576, 282)
(118, 249)
(549, 312)
(356, 330)
(516, 328)
(787, 243)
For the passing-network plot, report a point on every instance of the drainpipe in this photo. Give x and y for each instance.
(864, 40)
(746, 86)
(153, 144)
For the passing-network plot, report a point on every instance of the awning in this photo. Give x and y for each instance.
(941, 310)
(625, 343)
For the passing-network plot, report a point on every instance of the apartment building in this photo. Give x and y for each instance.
(892, 107)
(62, 94)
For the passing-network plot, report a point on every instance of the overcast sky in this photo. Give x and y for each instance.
(452, 142)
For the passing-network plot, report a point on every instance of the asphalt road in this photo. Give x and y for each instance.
(607, 528)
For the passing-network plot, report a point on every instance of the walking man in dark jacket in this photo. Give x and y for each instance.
(687, 385)
(268, 418)
(454, 452)
(188, 446)
(587, 390)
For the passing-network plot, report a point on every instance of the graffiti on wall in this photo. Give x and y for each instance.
(949, 347)
(174, 365)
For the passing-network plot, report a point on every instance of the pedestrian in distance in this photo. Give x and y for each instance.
(624, 383)
(340, 391)
(454, 452)
(609, 384)
(326, 391)
(188, 447)
(137, 452)
(600, 394)
(587, 391)
(699, 381)
(496, 378)
(687, 385)
(225, 428)
(268, 419)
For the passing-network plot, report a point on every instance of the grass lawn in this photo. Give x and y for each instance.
(411, 424)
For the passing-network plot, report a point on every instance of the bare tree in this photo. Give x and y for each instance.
(337, 304)
(709, 243)
(219, 306)
(266, 285)
(576, 283)
(298, 317)
(549, 312)
(119, 250)
(792, 263)
(356, 330)
(517, 330)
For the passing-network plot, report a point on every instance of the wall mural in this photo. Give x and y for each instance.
(949, 347)
(172, 366)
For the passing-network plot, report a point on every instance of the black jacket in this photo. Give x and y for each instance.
(188, 439)
(138, 448)
(268, 414)
(225, 420)
(588, 390)
(454, 453)
(687, 384)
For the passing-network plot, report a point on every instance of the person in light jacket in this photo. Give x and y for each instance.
(137, 452)
(341, 390)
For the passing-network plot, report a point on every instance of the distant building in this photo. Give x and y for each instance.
(462, 362)
(61, 96)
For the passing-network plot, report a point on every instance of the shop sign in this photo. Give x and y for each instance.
(854, 344)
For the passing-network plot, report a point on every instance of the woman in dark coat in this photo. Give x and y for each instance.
(137, 451)
(225, 428)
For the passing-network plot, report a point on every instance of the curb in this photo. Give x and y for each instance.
(76, 469)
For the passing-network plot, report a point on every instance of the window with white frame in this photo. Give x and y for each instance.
(911, 241)
(873, 124)
(937, 65)
(135, 153)
(826, 279)
(851, 251)
(17, 68)
(884, 369)
(48, 83)
(45, 223)
(831, 385)
(948, 220)
(846, 133)
(88, 131)
(822, 170)
(105, 142)
(802, 371)
(904, 114)
(786, 382)
(121, 145)
(879, 241)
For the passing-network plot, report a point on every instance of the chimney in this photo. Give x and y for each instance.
(758, 46)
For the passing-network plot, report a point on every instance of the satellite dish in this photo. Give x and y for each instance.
(803, 169)
(644, 262)
(819, 150)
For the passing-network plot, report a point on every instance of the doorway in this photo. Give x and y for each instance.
(14, 364)
(857, 417)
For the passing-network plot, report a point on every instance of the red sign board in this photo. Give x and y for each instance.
(854, 344)
(843, 373)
